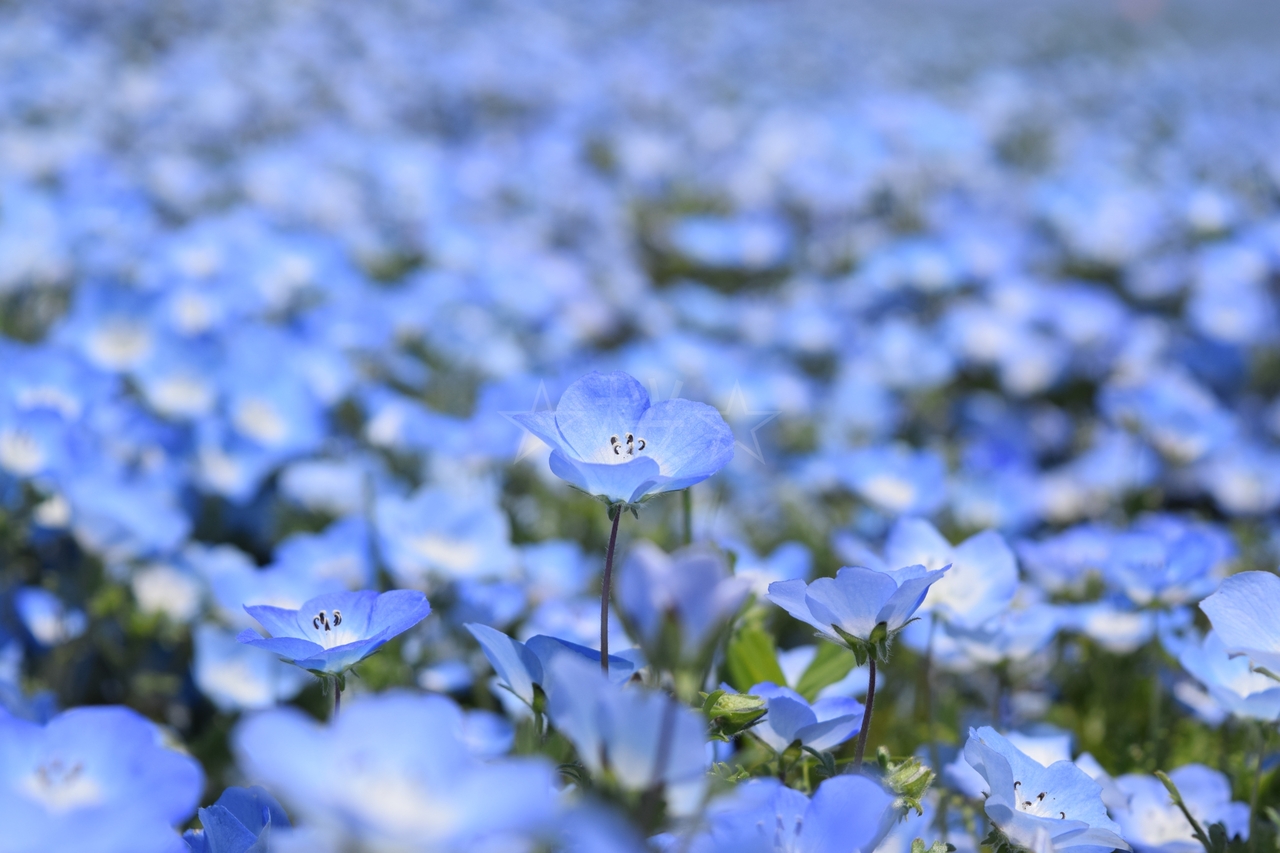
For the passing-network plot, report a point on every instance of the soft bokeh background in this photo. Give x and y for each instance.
(274, 275)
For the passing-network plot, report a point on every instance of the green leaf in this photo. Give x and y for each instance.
(829, 665)
(752, 658)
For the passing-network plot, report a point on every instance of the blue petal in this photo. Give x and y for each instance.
(397, 611)
(289, 648)
(689, 441)
(596, 408)
(826, 734)
(223, 832)
(847, 813)
(279, 621)
(785, 718)
(356, 609)
(543, 425)
(1245, 612)
(790, 596)
(625, 482)
(907, 599)
(852, 599)
(517, 667)
(545, 648)
(253, 807)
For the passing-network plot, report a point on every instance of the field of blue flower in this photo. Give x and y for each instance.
(639, 427)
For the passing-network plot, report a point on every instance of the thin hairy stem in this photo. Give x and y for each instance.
(604, 591)
(866, 716)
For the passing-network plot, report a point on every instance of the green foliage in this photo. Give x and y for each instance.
(731, 714)
(828, 666)
(752, 658)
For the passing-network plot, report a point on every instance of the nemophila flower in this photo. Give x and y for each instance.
(609, 441)
(860, 608)
(93, 780)
(332, 633)
(983, 577)
(1114, 625)
(1026, 800)
(395, 772)
(520, 666)
(46, 617)
(895, 478)
(1152, 823)
(823, 725)
(1231, 683)
(678, 603)
(1245, 612)
(1163, 570)
(240, 821)
(847, 814)
(445, 533)
(637, 737)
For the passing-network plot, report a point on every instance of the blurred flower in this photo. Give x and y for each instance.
(97, 780)
(394, 772)
(983, 576)
(1230, 681)
(1245, 612)
(332, 633)
(1153, 824)
(608, 441)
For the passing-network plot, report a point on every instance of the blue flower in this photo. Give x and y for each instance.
(1153, 824)
(239, 822)
(396, 771)
(332, 633)
(93, 780)
(848, 814)
(691, 591)
(860, 608)
(1233, 686)
(521, 665)
(1245, 611)
(983, 577)
(1027, 800)
(825, 724)
(607, 440)
(641, 737)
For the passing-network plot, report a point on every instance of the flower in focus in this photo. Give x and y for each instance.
(395, 772)
(93, 780)
(607, 440)
(1026, 800)
(859, 607)
(332, 633)
(825, 724)
(239, 822)
(1245, 612)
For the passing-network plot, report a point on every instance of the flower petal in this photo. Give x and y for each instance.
(597, 407)
(690, 441)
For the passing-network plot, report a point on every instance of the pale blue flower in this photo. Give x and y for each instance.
(395, 771)
(1245, 612)
(1230, 681)
(93, 780)
(823, 725)
(1025, 799)
(858, 604)
(1153, 824)
(332, 633)
(609, 441)
(847, 814)
(983, 577)
(237, 677)
(520, 666)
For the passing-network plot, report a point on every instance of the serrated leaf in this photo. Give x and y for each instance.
(752, 658)
(829, 665)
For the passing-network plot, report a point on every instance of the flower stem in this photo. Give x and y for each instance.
(604, 591)
(866, 716)
(687, 499)
(1176, 796)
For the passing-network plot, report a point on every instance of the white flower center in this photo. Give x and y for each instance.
(61, 787)
(1040, 804)
(20, 453)
(328, 630)
(624, 448)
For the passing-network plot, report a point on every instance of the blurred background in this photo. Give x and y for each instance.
(275, 275)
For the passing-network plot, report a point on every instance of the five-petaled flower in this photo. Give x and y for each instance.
(332, 633)
(607, 440)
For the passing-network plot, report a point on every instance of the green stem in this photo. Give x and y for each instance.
(1176, 796)
(604, 590)
(866, 716)
(687, 500)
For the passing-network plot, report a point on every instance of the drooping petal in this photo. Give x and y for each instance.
(625, 482)
(289, 648)
(826, 734)
(596, 408)
(279, 621)
(904, 602)
(546, 648)
(517, 666)
(790, 596)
